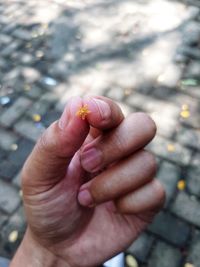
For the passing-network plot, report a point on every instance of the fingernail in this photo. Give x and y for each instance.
(100, 105)
(91, 160)
(70, 109)
(104, 108)
(85, 198)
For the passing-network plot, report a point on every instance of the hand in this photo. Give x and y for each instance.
(88, 186)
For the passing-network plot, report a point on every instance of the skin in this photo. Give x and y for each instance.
(88, 187)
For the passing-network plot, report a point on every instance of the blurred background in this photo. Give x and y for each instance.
(145, 54)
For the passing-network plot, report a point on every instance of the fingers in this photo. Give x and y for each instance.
(134, 132)
(120, 179)
(149, 197)
(53, 152)
(49, 159)
(130, 184)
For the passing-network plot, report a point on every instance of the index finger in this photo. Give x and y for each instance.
(104, 113)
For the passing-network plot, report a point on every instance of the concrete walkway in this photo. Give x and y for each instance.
(143, 54)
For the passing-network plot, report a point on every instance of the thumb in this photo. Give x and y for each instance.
(53, 152)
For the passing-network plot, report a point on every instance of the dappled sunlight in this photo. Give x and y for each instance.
(143, 54)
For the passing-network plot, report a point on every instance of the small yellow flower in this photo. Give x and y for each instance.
(185, 114)
(36, 117)
(171, 148)
(127, 92)
(27, 87)
(131, 261)
(82, 112)
(13, 236)
(185, 107)
(14, 147)
(181, 185)
(189, 265)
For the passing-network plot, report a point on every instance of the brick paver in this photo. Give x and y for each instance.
(144, 55)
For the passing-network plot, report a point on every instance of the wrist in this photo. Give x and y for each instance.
(31, 254)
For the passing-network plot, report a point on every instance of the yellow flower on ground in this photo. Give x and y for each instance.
(189, 265)
(13, 236)
(36, 117)
(82, 112)
(171, 148)
(14, 147)
(131, 261)
(27, 87)
(181, 185)
(185, 114)
(21, 193)
(127, 92)
(185, 107)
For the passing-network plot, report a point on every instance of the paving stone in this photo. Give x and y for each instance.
(19, 156)
(5, 39)
(60, 70)
(178, 233)
(2, 154)
(7, 51)
(9, 28)
(193, 70)
(7, 138)
(187, 208)
(194, 255)
(191, 35)
(169, 174)
(116, 93)
(73, 91)
(27, 59)
(193, 180)
(193, 53)
(49, 97)
(7, 170)
(9, 197)
(4, 66)
(22, 34)
(165, 256)
(29, 129)
(150, 104)
(180, 155)
(193, 91)
(50, 117)
(30, 74)
(141, 247)
(3, 219)
(35, 92)
(39, 107)
(12, 75)
(17, 180)
(171, 76)
(16, 223)
(196, 159)
(189, 137)
(15, 111)
(164, 113)
(193, 121)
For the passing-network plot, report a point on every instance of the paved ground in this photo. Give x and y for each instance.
(145, 55)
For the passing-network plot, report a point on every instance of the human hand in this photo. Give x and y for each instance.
(84, 205)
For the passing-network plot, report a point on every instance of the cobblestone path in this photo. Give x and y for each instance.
(143, 54)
